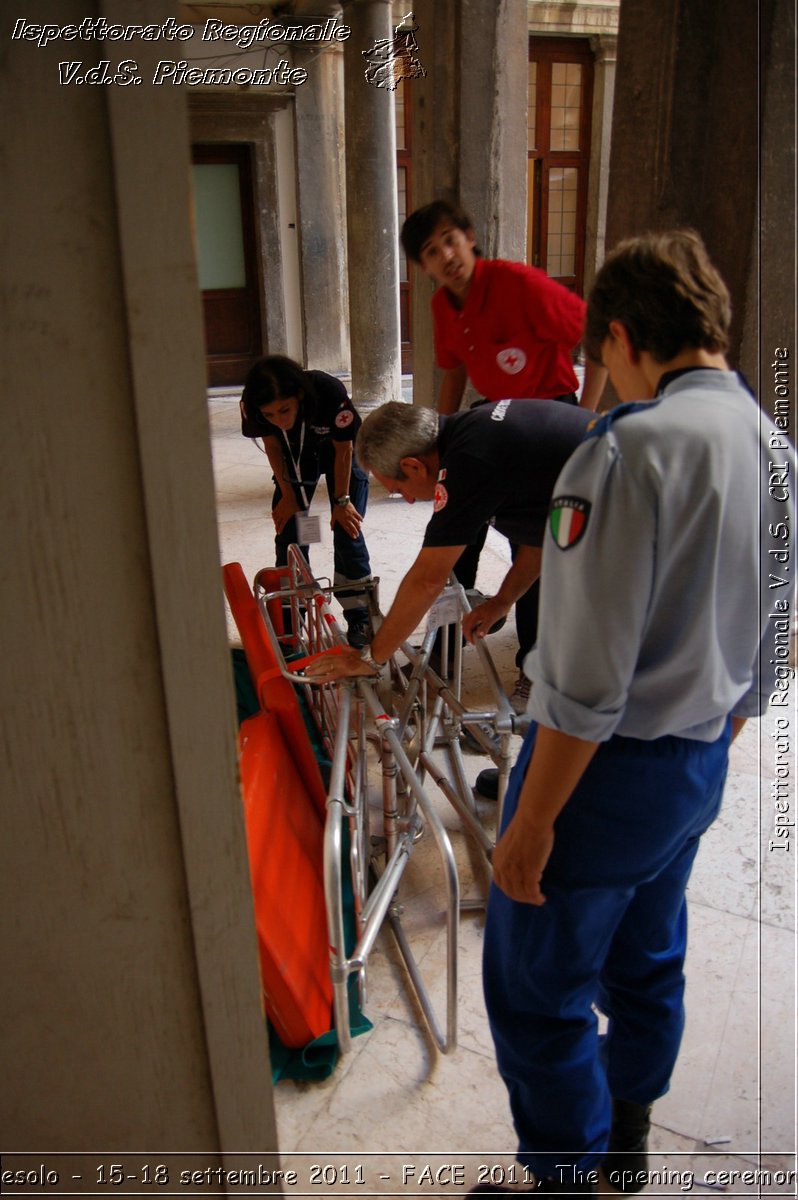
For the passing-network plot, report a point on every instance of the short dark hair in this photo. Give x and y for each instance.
(422, 223)
(276, 377)
(665, 291)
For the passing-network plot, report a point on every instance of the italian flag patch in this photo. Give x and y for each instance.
(568, 518)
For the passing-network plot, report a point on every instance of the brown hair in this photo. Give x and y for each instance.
(664, 289)
(422, 223)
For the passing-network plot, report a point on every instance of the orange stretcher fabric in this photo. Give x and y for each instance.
(275, 694)
(285, 844)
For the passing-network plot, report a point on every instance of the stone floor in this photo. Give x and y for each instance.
(395, 1099)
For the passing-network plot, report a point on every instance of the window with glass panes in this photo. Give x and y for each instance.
(560, 91)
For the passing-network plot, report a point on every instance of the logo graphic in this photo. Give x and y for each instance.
(500, 410)
(512, 360)
(441, 498)
(344, 418)
(568, 519)
(393, 59)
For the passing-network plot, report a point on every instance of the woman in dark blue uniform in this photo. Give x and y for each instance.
(308, 426)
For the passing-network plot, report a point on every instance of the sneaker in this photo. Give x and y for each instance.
(487, 784)
(519, 700)
(358, 632)
(626, 1165)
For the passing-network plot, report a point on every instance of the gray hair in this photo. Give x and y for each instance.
(393, 432)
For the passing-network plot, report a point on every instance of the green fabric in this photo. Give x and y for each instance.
(317, 1059)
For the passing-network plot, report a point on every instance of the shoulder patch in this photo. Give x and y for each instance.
(568, 518)
(345, 417)
(441, 498)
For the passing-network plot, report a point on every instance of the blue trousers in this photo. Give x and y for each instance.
(612, 933)
(350, 555)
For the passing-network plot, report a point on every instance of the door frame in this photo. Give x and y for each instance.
(228, 368)
(545, 52)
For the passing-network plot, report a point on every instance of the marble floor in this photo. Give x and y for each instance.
(396, 1104)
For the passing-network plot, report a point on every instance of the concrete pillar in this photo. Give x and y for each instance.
(686, 129)
(605, 50)
(372, 212)
(322, 206)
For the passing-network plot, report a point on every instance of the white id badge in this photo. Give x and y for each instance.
(308, 529)
(446, 608)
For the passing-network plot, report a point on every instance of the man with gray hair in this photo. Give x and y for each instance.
(497, 462)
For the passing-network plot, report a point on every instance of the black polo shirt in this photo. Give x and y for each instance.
(500, 462)
(328, 415)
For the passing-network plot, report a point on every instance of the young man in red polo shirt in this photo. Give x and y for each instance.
(509, 329)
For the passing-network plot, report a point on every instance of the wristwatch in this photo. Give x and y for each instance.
(342, 500)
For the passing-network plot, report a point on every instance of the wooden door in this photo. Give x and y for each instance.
(558, 156)
(225, 236)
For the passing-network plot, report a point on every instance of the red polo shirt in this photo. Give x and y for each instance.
(514, 334)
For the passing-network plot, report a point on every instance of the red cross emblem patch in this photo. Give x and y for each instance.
(512, 360)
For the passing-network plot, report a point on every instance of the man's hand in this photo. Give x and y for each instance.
(340, 665)
(481, 619)
(519, 860)
(347, 516)
(284, 510)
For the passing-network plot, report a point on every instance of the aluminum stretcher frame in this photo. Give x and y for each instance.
(405, 738)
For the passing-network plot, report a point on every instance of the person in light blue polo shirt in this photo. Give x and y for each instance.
(654, 647)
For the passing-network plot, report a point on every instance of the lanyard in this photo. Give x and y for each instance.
(296, 461)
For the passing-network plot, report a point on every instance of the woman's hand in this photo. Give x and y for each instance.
(286, 508)
(347, 516)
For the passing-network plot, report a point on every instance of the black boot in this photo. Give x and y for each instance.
(358, 627)
(626, 1165)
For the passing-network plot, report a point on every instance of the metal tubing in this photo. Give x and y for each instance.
(463, 811)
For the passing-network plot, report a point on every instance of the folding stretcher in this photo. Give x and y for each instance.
(414, 721)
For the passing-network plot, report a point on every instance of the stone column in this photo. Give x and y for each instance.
(493, 123)
(771, 319)
(319, 113)
(686, 129)
(436, 144)
(469, 138)
(605, 50)
(372, 212)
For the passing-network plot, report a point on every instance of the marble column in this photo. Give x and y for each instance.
(319, 112)
(372, 212)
